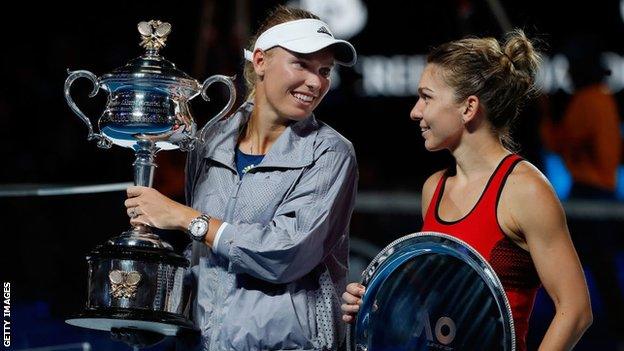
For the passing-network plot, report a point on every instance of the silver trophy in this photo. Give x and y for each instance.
(431, 291)
(135, 279)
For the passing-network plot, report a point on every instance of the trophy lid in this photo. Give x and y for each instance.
(152, 67)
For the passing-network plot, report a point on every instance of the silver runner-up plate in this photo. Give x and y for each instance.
(431, 291)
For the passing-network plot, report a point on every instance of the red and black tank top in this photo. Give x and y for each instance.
(481, 230)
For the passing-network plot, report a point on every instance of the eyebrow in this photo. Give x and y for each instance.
(422, 89)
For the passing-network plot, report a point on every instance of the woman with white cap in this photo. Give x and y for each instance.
(270, 196)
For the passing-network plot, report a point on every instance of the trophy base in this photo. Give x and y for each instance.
(165, 323)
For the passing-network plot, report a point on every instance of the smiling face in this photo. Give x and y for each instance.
(292, 84)
(437, 112)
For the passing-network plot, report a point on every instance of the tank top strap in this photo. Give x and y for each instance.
(493, 189)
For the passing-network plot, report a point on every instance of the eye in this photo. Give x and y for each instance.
(325, 72)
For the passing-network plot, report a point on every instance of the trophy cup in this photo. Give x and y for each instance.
(136, 279)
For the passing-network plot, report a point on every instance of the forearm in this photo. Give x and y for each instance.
(274, 253)
(184, 217)
(566, 329)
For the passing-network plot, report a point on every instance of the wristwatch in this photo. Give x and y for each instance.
(198, 227)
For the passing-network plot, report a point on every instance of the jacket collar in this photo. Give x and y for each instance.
(294, 148)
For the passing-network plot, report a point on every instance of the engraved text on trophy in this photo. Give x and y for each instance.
(138, 107)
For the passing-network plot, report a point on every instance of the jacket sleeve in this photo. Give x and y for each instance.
(193, 164)
(310, 221)
(189, 171)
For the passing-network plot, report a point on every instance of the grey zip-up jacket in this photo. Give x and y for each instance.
(280, 264)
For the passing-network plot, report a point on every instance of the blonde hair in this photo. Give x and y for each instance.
(501, 76)
(280, 14)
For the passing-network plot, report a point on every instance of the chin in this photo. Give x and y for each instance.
(432, 147)
(298, 114)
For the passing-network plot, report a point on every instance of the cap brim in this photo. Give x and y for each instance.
(344, 52)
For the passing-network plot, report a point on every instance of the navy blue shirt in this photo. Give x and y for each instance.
(245, 162)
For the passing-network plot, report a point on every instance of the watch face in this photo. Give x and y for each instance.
(199, 228)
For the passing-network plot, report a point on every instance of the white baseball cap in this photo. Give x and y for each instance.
(304, 36)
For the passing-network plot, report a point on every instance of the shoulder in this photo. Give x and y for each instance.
(429, 188)
(328, 139)
(595, 96)
(525, 182)
(432, 182)
(531, 200)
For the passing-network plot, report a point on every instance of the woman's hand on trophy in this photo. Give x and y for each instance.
(352, 299)
(149, 207)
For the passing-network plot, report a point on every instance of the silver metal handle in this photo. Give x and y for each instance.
(102, 141)
(229, 82)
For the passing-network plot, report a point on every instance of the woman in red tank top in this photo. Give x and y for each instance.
(469, 94)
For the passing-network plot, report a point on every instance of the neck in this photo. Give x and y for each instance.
(479, 153)
(263, 129)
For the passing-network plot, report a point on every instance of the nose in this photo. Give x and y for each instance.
(416, 112)
(313, 81)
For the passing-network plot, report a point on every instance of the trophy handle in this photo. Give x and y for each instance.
(102, 141)
(229, 82)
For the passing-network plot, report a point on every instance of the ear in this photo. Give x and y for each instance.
(259, 60)
(469, 108)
